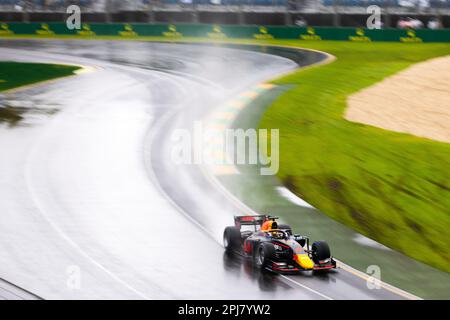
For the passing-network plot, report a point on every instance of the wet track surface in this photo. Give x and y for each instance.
(92, 205)
(9, 291)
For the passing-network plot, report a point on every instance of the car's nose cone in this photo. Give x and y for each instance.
(304, 261)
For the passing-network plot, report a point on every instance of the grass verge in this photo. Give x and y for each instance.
(391, 187)
(18, 74)
(262, 194)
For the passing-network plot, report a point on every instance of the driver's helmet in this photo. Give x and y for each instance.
(269, 225)
(277, 234)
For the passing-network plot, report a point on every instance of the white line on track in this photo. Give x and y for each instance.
(306, 287)
(41, 210)
(384, 285)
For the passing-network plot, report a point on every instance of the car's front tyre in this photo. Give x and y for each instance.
(263, 254)
(320, 251)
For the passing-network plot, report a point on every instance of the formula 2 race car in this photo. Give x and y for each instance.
(274, 247)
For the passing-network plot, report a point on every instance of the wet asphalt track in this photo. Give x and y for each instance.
(93, 207)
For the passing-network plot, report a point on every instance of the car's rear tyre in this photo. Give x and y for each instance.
(320, 251)
(286, 228)
(232, 239)
(263, 254)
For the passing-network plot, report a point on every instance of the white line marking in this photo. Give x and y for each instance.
(288, 194)
(40, 208)
(367, 242)
(307, 288)
(385, 285)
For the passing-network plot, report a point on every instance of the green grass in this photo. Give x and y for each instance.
(17, 74)
(389, 186)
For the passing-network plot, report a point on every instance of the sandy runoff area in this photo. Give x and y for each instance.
(415, 101)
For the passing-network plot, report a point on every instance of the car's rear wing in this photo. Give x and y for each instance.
(256, 220)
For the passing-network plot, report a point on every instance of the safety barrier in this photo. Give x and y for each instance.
(226, 31)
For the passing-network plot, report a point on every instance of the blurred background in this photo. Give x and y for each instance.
(433, 14)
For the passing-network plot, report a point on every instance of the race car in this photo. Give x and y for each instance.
(273, 247)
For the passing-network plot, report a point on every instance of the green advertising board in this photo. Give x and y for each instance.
(226, 31)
